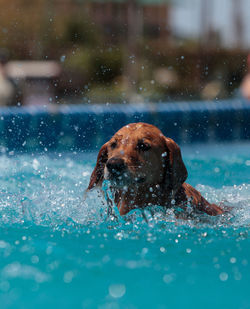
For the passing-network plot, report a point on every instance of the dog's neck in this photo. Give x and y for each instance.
(141, 196)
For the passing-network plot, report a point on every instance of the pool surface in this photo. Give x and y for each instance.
(57, 250)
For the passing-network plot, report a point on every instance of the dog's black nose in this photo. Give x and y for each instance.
(116, 165)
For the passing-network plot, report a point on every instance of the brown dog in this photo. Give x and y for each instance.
(145, 168)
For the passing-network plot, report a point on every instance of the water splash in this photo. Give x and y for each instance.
(47, 191)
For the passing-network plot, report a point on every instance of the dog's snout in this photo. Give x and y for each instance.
(116, 165)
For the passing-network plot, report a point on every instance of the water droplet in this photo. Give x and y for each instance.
(168, 278)
(223, 276)
(68, 276)
(34, 259)
(233, 260)
(117, 290)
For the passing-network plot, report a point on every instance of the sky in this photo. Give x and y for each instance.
(186, 21)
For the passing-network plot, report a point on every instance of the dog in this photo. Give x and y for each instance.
(146, 168)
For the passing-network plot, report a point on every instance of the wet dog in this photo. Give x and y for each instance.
(146, 168)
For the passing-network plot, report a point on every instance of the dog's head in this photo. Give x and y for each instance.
(139, 155)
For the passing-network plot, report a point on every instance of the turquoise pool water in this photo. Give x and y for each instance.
(58, 251)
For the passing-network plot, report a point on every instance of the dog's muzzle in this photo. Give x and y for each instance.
(118, 172)
(116, 168)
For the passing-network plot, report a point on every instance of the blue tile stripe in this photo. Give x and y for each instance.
(86, 127)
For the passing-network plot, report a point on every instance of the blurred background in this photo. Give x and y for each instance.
(122, 51)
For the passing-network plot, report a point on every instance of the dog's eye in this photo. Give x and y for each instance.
(143, 146)
(113, 145)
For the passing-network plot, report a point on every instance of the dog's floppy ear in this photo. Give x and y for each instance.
(176, 172)
(96, 177)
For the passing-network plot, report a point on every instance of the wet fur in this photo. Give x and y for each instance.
(154, 174)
